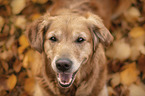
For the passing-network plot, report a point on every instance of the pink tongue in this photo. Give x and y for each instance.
(65, 78)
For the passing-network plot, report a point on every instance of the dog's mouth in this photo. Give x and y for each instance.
(66, 79)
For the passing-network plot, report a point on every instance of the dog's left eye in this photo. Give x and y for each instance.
(80, 40)
(54, 39)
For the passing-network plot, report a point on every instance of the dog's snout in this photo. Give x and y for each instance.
(63, 64)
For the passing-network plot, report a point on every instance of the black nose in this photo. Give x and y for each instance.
(63, 64)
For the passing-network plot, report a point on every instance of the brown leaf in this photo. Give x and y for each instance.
(11, 82)
(21, 78)
(17, 66)
(5, 65)
(3, 83)
(141, 64)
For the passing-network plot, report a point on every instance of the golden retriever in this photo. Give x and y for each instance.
(72, 60)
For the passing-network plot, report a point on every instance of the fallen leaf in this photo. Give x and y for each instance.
(39, 1)
(136, 90)
(132, 14)
(6, 55)
(141, 65)
(129, 74)
(5, 65)
(18, 6)
(3, 83)
(29, 85)
(10, 41)
(136, 32)
(2, 21)
(111, 91)
(21, 22)
(115, 80)
(17, 66)
(137, 47)
(35, 16)
(23, 44)
(11, 82)
(21, 78)
(120, 50)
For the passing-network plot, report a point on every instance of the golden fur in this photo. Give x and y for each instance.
(88, 57)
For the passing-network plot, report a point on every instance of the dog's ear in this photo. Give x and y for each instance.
(35, 32)
(98, 30)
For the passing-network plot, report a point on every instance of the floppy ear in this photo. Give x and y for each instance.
(99, 30)
(36, 31)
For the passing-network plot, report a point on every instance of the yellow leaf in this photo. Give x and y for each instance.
(11, 82)
(35, 16)
(39, 1)
(21, 49)
(130, 74)
(23, 41)
(136, 32)
(23, 44)
(29, 85)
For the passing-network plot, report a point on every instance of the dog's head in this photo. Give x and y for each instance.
(68, 41)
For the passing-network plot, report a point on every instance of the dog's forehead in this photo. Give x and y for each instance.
(69, 23)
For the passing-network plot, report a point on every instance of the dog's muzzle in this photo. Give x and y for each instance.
(64, 76)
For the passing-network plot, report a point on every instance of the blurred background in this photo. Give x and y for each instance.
(126, 56)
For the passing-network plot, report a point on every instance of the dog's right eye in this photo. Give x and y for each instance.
(54, 39)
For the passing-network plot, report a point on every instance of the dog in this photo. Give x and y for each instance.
(71, 42)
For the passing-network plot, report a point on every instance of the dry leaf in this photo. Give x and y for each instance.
(39, 1)
(129, 74)
(141, 64)
(18, 6)
(115, 80)
(17, 66)
(136, 32)
(136, 90)
(22, 77)
(21, 22)
(6, 55)
(111, 91)
(132, 14)
(10, 41)
(35, 16)
(29, 85)
(137, 47)
(23, 44)
(120, 50)
(5, 65)
(2, 21)
(11, 82)
(3, 83)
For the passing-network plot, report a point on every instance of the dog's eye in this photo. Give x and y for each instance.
(53, 38)
(80, 40)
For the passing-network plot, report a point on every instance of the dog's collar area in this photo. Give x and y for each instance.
(66, 80)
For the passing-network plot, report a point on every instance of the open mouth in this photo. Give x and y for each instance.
(66, 79)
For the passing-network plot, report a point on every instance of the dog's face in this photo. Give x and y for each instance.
(68, 41)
